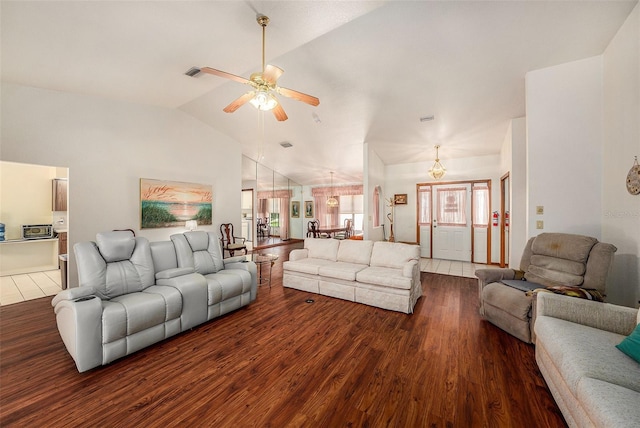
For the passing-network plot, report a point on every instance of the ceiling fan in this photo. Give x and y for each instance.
(264, 84)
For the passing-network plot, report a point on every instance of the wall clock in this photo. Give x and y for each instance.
(633, 178)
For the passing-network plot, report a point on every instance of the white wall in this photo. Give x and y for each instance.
(620, 213)
(564, 147)
(402, 178)
(108, 146)
(373, 176)
(513, 161)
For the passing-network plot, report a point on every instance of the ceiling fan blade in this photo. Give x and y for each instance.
(225, 75)
(279, 113)
(272, 73)
(298, 96)
(235, 105)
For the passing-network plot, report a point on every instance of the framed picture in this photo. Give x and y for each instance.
(172, 203)
(308, 209)
(295, 209)
(400, 199)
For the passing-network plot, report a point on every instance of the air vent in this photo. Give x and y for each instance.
(192, 72)
(286, 144)
(427, 118)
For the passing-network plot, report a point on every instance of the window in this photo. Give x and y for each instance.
(452, 203)
(351, 207)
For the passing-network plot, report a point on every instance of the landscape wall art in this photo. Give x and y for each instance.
(171, 203)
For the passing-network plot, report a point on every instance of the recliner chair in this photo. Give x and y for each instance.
(231, 282)
(551, 260)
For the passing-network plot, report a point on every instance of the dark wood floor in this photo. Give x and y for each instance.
(284, 362)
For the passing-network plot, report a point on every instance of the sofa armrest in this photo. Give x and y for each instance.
(252, 269)
(603, 316)
(80, 325)
(174, 272)
(487, 276)
(409, 268)
(298, 254)
(72, 294)
(234, 259)
(193, 288)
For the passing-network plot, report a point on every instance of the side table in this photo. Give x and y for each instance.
(264, 260)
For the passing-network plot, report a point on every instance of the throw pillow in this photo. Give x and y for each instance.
(583, 293)
(631, 344)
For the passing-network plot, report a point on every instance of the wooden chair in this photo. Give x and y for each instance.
(230, 242)
(312, 228)
(264, 229)
(348, 226)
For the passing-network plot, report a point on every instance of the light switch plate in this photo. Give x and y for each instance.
(539, 224)
(540, 210)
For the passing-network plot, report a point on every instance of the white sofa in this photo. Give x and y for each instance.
(382, 274)
(594, 383)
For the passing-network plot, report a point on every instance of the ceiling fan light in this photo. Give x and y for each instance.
(263, 100)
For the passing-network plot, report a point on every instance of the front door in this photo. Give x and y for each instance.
(451, 224)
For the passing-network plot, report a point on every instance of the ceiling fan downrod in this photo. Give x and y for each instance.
(263, 21)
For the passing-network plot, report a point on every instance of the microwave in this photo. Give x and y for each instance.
(37, 231)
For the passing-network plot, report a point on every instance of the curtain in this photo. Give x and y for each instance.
(480, 206)
(452, 203)
(284, 218)
(424, 206)
(263, 207)
(330, 217)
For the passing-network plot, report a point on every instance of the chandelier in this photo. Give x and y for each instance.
(332, 202)
(437, 171)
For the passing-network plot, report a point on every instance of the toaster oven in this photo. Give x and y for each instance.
(37, 231)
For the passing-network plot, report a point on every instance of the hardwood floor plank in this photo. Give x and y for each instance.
(281, 362)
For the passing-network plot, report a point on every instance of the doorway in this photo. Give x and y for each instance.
(453, 221)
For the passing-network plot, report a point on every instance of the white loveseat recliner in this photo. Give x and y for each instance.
(133, 294)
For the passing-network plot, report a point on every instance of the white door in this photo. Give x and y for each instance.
(451, 225)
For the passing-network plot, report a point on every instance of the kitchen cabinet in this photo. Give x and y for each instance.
(59, 194)
(62, 243)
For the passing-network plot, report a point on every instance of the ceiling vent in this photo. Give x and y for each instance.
(286, 144)
(193, 72)
(427, 118)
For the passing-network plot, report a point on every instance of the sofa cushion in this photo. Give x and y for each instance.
(131, 313)
(326, 249)
(384, 276)
(393, 254)
(631, 344)
(226, 284)
(355, 252)
(341, 270)
(609, 405)
(310, 266)
(579, 351)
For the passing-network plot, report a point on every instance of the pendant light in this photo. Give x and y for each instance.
(332, 202)
(437, 171)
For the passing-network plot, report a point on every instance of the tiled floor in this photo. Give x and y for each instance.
(450, 267)
(18, 288)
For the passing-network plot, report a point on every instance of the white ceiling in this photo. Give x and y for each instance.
(377, 67)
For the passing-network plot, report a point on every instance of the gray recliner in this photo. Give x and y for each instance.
(134, 293)
(119, 308)
(550, 260)
(231, 282)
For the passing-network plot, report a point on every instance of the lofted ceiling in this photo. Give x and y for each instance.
(377, 67)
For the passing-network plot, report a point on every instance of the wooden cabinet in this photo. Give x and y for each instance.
(59, 194)
(62, 243)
